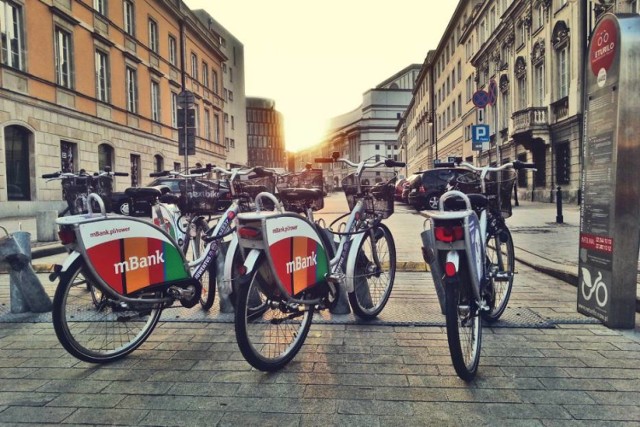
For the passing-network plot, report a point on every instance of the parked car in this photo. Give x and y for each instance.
(426, 190)
(121, 203)
(399, 188)
(409, 185)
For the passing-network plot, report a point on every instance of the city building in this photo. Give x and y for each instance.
(235, 108)
(91, 84)
(265, 134)
(369, 131)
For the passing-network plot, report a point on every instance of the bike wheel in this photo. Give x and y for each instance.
(208, 279)
(501, 267)
(464, 330)
(373, 282)
(93, 327)
(270, 332)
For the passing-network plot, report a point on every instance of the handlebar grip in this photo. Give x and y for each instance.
(324, 160)
(522, 165)
(201, 170)
(121, 174)
(51, 175)
(157, 174)
(394, 164)
(260, 172)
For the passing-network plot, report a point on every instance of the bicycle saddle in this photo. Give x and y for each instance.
(295, 194)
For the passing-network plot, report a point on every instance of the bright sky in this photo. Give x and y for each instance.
(317, 58)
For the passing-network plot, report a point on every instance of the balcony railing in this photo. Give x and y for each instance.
(531, 119)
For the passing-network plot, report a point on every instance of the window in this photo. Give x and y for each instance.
(64, 57)
(205, 74)
(230, 95)
(153, 35)
(233, 123)
(158, 162)
(105, 156)
(522, 92)
(102, 76)
(538, 16)
(216, 128)
(194, 66)
(174, 109)
(207, 124)
(214, 78)
(231, 74)
(176, 166)
(100, 6)
(563, 72)
(504, 110)
(173, 51)
(129, 18)
(17, 154)
(539, 84)
(135, 170)
(11, 32)
(68, 153)
(155, 101)
(132, 90)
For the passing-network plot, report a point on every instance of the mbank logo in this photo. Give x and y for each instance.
(134, 262)
(301, 262)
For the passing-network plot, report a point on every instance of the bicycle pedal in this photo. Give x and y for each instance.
(502, 277)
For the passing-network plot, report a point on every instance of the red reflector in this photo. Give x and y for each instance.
(242, 270)
(449, 234)
(67, 236)
(357, 216)
(249, 233)
(450, 269)
(231, 215)
(422, 190)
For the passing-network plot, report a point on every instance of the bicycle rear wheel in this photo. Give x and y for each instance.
(501, 267)
(464, 330)
(93, 327)
(269, 331)
(373, 281)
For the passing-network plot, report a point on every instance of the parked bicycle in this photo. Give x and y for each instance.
(293, 269)
(120, 274)
(470, 251)
(76, 188)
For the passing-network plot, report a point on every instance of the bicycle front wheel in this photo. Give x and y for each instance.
(373, 273)
(269, 330)
(501, 267)
(464, 330)
(93, 327)
(208, 279)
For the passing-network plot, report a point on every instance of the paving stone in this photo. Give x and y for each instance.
(325, 420)
(261, 419)
(181, 418)
(558, 397)
(73, 386)
(105, 416)
(85, 400)
(364, 407)
(36, 415)
(203, 389)
(605, 412)
(339, 392)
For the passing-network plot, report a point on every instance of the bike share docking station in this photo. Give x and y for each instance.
(610, 209)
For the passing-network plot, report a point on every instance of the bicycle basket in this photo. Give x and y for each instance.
(308, 179)
(377, 190)
(198, 196)
(73, 187)
(498, 186)
(247, 189)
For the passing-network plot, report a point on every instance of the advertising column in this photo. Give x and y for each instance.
(610, 210)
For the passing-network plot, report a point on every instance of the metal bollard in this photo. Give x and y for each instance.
(559, 218)
(27, 293)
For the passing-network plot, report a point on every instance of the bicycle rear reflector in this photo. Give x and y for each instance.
(249, 233)
(449, 234)
(67, 235)
(450, 269)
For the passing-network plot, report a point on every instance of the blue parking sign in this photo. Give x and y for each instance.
(479, 135)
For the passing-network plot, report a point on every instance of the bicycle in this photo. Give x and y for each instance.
(76, 188)
(292, 270)
(470, 251)
(185, 217)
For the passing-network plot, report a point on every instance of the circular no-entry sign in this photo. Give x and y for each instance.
(480, 98)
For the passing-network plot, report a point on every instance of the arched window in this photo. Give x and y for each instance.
(105, 156)
(158, 163)
(17, 154)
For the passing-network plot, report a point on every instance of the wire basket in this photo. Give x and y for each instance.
(198, 196)
(498, 188)
(247, 189)
(377, 190)
(73, 187)
(308, 179)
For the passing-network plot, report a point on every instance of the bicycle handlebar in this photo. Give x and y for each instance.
(394, 164)
(517, 165)
(206, 169)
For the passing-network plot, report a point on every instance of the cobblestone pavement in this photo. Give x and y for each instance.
(543, 364)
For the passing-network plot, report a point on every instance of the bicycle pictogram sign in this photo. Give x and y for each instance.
(599, 288)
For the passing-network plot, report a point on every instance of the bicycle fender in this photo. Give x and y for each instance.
(69, 260)
(225, 287)
(453, 257)
(250, 265)
(352, 255)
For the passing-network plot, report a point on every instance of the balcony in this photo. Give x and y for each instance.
(534, 120)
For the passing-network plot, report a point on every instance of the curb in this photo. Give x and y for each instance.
(44, 251)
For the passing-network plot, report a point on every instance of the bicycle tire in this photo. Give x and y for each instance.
(464, 330)
(93, 327)
(372, 287)
(208, 279)
(501, 262)
(260, 328)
